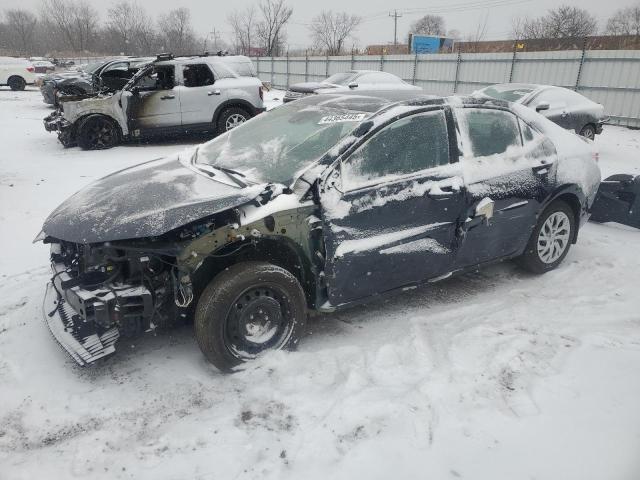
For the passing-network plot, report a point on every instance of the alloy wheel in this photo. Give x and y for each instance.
(554, 237)
(234, 120)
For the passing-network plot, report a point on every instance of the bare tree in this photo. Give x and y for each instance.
(176, 31)
(625, 21)
(330, 30)
(479, 33)
(429, 25)
(128, 27)
(270, 29)
(20, 30)
(73, 22)
(243, 24)
(562, 22)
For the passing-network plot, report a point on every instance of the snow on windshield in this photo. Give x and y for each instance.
(274, 146)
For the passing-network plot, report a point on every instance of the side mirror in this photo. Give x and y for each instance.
(542, 106)
(353, 85)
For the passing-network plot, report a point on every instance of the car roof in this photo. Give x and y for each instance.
(213, 59)
(376, 100)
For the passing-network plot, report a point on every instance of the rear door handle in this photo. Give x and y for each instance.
(167, 97)
(213, 92)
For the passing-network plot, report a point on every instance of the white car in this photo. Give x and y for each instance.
(17, 73)
(352, 80)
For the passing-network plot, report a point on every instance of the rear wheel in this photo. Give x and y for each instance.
(97, 132)
(588, 131)
(250, 308)
(230, 118)
(17, 83)
(551, 239)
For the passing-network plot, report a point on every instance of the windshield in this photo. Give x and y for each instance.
(276, 145)
(340, 78)
(510, 93)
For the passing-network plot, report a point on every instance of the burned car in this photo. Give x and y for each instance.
(108, 76)
(169, 96)
(320, 204)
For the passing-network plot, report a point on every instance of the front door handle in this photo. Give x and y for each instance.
(167, 97)
(213, 92)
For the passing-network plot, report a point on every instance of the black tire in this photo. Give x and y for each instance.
(533, 259)
(588, 131)
(97, 132)
(17, 83)
(228, 115)
(265, 293)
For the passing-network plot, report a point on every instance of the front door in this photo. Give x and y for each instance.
(391, 210)
(508, 162)
(199, 97)
(154, 102)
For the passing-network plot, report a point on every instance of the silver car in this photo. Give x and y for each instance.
(169, 96)
(562, 106)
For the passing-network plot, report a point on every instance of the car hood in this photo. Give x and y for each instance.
(309, 87)
(146, 200)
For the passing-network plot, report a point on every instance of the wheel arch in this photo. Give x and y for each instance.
(80, 120)
(15, 75)
(238, 103)
(278, 250)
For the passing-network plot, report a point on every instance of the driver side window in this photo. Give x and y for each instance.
(409, 145)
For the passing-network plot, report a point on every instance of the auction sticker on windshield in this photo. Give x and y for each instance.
(343, 117)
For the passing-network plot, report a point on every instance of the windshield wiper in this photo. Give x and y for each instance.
(232, 174)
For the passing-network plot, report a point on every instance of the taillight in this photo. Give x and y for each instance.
(261, 93)
(31, 69)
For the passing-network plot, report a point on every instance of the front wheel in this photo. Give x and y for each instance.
(97, 132)
(551, 239)
(230, 118)
(17, 83)
(248, 309)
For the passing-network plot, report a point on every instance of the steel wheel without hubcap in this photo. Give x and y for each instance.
(259, 319)
(234, 120)
(554, 237)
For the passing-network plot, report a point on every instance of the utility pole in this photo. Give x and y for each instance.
(395, 15)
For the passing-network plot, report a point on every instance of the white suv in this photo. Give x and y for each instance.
(17, 73)
(169, 96)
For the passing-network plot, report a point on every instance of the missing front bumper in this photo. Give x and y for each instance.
(61, 320)
(57, 123)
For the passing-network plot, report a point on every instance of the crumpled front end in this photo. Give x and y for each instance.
(56, 122)
(93, 299)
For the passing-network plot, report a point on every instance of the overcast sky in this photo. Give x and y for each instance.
(377, 26)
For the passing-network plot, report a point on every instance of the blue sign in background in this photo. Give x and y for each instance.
(429, 44)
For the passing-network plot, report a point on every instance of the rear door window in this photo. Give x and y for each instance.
(486, 132)
(197, 75)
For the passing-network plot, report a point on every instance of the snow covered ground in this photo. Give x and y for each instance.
(493, 375)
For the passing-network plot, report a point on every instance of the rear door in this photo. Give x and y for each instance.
(391, 209)
(199, 96)
(508, 162)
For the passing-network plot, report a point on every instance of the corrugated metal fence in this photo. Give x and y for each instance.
(609, 77)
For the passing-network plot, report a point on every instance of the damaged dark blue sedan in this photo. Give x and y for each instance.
(320, 204)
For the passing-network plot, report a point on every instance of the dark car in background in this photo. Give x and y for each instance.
(320, 204)
(110, 75)
(346, 81)
(565, 107)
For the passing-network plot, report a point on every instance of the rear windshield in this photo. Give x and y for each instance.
(340, 78)
(510, 93)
